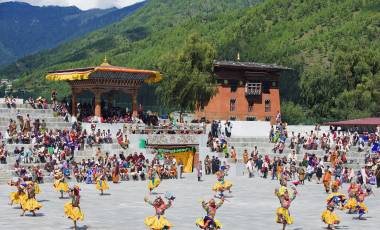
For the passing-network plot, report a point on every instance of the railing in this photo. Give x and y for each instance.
(189, 129)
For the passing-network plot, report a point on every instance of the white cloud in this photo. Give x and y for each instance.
(82, 4)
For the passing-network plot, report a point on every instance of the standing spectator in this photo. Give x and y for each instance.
(228, 128)
(377, 174)
(274, 168)
(207, 163)
(180, 167)
(199, 171)
(250, 168)
(310, 172)
(319, 173)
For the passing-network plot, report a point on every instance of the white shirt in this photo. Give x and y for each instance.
(250, 165)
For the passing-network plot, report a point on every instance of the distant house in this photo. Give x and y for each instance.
(246, 91)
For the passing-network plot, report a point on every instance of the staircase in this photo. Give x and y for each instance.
(355, 159)
(52, 122)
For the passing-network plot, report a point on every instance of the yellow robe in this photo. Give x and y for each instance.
(153, 185)
(329, 217)
(222, 187)
(17, 198)
(73, 213)
(351, 203)
(37, 189)
(283, 214)
(61, 186)
(102, 185)
(152, 222)
(200, 222)
(361, 205)
(31, 205)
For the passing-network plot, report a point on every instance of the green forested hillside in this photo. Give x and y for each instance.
(332, 45)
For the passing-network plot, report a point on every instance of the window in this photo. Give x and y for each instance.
(232, 105)
(268, 118)
(251, 118)
(267, 105)
(232, 118)
(250, 107)
(252, 88)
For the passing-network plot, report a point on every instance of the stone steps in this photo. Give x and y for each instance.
(19, 106)
(46, 118)
(23, 111)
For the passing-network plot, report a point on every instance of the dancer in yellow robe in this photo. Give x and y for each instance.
(351, 204)
(334, 200)
(285, 196)
(222, 185)
(20, 195)
(209, 221)
(153, 179)
(101, 183)
(60, 184)
(158, 221)
(72, 209)
(30, 204)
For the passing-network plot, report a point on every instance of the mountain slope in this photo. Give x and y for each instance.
(333, 46)
(26, 29)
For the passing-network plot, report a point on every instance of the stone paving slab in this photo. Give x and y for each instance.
(252, 206)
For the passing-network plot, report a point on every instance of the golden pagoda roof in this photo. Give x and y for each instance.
(105, 70)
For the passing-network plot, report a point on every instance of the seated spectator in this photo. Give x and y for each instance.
(3, 155)
(31, 102)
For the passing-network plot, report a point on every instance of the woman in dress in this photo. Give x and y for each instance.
(72, 209)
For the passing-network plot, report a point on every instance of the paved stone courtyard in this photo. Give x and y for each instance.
(252, 207)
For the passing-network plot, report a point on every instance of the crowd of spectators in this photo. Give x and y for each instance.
(10, 101)
(126, 167)
(39, 103)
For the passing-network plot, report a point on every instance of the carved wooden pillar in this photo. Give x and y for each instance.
(74, 103)
(134, 104)
(110, 99)
(98, 103)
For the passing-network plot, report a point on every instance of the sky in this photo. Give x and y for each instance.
(81, 4)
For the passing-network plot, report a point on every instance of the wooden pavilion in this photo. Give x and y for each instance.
(103, 80)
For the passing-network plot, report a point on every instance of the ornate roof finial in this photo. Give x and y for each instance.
(238, 56)
(105, 62)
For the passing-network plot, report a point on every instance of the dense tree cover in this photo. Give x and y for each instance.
(188, 78)
(332, 45)
(293, 113)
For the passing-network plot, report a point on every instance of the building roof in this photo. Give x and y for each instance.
(371, 121)
(105, 70)
(250, 65)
